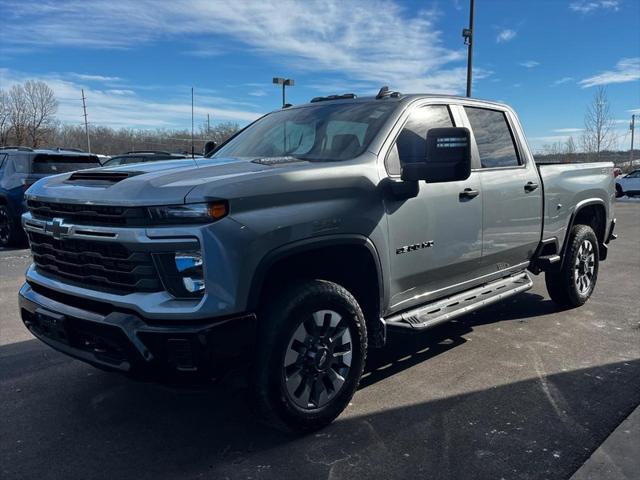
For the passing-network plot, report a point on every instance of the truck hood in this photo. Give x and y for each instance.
(150, 183)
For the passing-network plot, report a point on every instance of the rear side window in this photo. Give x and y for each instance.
(21, 164)
(493, 137)
(52, 164)
(411, 144)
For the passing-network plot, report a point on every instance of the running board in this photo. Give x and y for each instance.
(446, 309)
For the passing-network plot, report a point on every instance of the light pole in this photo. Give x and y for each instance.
(285, 82)
(632, 127)
(467, 34)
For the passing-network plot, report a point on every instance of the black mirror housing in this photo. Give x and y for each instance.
(209, 147)
(447, 159)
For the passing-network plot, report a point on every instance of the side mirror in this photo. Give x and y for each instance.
(447, 157)
(209, 147)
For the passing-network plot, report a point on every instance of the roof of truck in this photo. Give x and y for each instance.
(395, 98)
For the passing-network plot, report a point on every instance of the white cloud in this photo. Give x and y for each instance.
(568, 130)
(506, 36)
(258, 93)
(587, 6)
(626, 70)
(117, 91)
(93, 78)
(125, 108)
(562, 81)
(204, 52)
(378, 42)
(530, 64)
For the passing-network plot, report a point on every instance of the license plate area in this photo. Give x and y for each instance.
(51, 325)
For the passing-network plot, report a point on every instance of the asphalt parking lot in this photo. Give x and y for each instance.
(517, 390)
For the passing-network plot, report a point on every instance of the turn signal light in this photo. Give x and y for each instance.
(218, 210)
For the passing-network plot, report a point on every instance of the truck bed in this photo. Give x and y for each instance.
(568, 186)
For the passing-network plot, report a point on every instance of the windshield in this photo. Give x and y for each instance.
(322, 132)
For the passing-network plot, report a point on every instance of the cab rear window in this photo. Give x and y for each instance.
(45, 163)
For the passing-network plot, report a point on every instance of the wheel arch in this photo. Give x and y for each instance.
(349, 260)
(593, 213)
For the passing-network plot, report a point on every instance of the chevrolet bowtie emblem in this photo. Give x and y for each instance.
(58, 228)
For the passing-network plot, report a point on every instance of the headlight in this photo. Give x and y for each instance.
(190, 213)
(182, 273)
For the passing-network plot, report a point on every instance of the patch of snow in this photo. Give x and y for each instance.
(626, 199)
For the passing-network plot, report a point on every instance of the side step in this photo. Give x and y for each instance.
(446, 309)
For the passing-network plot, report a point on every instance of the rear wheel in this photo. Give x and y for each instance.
(311, 354)
(10, 233)
(574, 283)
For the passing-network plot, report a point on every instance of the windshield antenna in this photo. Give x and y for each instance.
(193, 154)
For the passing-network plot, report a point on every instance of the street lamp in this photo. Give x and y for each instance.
(284, 82)
(467, 34)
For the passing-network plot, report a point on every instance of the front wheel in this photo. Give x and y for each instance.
(574, 283)
(311, 354)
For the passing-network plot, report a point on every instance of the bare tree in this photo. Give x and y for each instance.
(569, 150)
(598, 133)
(5, 118)
(41, 106)
(18, 113)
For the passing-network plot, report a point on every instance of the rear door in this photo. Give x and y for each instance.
(512, 195)
(631, 183)
(435, 238)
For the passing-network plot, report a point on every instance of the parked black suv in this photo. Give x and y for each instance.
(139, 156)
(21, 167)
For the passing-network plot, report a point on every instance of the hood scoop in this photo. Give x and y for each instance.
(277, 160)
(100, 177)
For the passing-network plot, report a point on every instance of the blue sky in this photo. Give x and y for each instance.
(137, 60)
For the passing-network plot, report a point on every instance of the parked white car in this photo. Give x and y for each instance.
(628, 184)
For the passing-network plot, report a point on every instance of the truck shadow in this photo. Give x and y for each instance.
(63, 419)
(406, 348)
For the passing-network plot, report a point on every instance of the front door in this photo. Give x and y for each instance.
(436, 237)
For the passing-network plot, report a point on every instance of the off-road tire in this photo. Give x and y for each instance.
(562, 285)
(279, 323)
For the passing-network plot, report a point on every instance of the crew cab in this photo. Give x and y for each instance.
(302, 240)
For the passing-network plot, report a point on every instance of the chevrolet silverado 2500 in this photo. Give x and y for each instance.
(303, 239)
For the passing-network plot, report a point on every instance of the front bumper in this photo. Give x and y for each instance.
(124, 341)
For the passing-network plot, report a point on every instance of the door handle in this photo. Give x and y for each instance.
(530, 187)
(468, 193)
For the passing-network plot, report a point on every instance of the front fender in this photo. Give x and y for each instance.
(309, 244)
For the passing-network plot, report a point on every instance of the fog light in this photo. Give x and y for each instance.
(189, 267)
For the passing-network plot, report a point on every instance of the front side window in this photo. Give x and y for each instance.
(493, 137)
(411, 144)
(317, 133)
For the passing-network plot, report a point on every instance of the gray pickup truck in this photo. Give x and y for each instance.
(298, 243)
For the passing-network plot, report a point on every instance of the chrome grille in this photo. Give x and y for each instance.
(101, 265)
